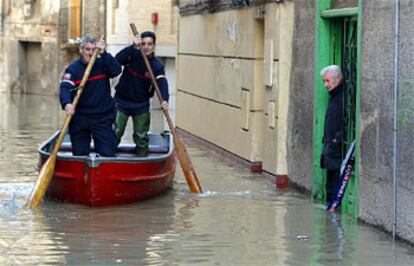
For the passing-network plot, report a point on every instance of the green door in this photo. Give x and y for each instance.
(349, 67)
(337, 43)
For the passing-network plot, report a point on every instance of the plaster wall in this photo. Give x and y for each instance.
(235, 33)
(220, 80)
(277, 72)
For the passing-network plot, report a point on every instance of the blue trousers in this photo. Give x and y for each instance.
(84, 128)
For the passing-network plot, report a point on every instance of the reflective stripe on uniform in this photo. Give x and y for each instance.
(68, 81)
(137, 74)
(102, 76)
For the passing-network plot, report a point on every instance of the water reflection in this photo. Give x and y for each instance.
(25, 122)
(240, 219)
(110, 235)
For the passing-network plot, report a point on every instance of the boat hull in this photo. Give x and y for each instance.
(102, 181)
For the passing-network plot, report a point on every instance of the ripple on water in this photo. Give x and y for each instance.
(19, 154)
(13, 196)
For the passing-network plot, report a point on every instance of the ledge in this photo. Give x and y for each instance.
(340, 12)
(255, 167)
(70, 47)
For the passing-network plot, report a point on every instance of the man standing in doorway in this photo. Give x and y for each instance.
(95, 113)
(135, 89)
(332, 153)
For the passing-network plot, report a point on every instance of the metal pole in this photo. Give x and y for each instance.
(395, 129)
(1, 17)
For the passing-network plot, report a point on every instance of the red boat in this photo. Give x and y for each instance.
(99, 181)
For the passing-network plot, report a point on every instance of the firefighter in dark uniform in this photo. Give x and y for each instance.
(95, 113)
(134, 90)
(332, 154)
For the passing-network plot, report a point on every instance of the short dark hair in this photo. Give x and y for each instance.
(149, 34)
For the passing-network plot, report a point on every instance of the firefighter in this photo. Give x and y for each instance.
(95, 113)
(134, 90)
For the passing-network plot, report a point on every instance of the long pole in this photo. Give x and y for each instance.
(184, 159)
(48, 168)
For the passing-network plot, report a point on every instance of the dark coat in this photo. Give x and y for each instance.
(96, 96)
(134, 86)
(332, 153)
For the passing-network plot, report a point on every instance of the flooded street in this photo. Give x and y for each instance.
(241, 219)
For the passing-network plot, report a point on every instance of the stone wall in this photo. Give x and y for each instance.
(3, 84)
(28, 25)
(93, 23)
(302, 89)
(194, 7)
(377, 117)
(120, 13)
(215, 102)
(34, 46)
(93, 19)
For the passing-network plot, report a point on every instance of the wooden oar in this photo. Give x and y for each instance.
(185, 162)
(48, 168)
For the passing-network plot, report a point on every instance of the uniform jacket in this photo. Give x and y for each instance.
(332, 153)
(96, 96)
(134, 87)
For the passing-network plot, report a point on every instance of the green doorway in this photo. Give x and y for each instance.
(337, 42)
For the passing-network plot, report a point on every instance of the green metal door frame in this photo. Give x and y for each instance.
(327, 54)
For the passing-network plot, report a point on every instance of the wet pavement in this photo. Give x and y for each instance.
(241, 219)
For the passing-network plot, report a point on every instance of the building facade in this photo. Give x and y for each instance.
(39, 38)
(248, 80)
(234, 68)
(249, 83)
(29, 31)
(159, 16)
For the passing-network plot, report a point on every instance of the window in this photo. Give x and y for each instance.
(75, 19)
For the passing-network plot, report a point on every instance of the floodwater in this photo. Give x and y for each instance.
(241, 219)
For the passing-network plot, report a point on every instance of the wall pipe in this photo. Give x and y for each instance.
(395, 127)
(1, 17)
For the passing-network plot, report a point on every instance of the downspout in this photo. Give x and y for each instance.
(105, 20)
(395, 129)
(1, 17)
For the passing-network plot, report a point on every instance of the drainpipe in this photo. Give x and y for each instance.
(395, 129)
(1, 17)
(105, 20)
